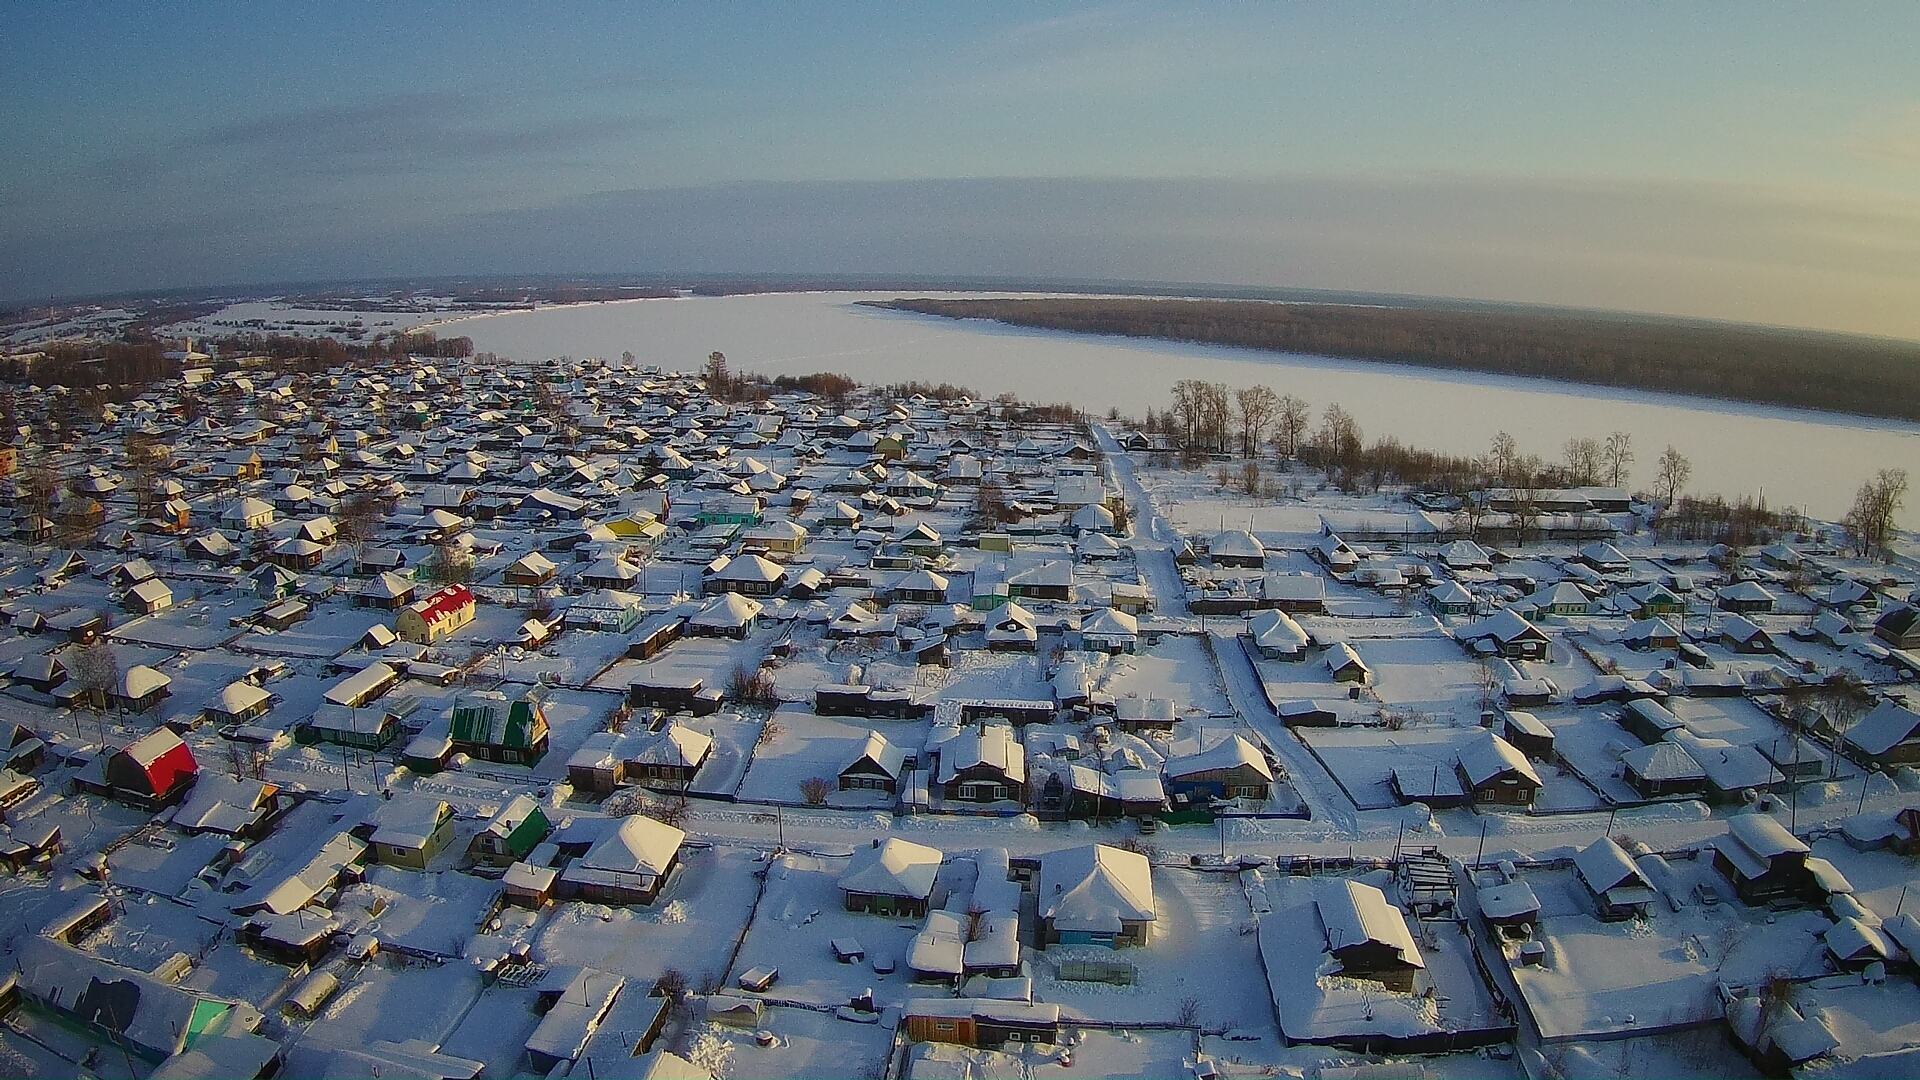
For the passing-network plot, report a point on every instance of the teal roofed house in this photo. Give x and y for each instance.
(490, 726)
(730, 510)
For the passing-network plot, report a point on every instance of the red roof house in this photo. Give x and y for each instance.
(156, 768)
(428, 620)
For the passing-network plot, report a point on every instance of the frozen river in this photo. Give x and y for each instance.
(1805, 459)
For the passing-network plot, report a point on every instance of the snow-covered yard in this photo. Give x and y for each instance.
(799, 914)
(690, 928)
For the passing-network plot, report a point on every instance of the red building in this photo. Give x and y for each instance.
(155, 769)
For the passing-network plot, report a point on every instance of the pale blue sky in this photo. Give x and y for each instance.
(1741, 160)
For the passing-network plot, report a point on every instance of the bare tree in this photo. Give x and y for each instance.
(358, 517)
(1250, 477)
(1527, 480)
(1875, 507)
(815, 789)
(1339, 437)
(1257, 405)
(1216, 415)
(449, 564)
(1500, 457)
(1583, 460)
(753, 686)
(1617, 455)
(1672, 478)
(1291, 417)
(96, 670)
(1187, 410)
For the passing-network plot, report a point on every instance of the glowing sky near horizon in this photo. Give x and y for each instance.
(1754, 162)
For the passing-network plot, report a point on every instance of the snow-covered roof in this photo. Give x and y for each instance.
(1355, 913)
(991, 745)
(893, 867)
(1110, 623)
(1887, 726)
(882, 752)
(1095, 888)
(751, 569)
(1604, 866)
(1237, 543)
(239, 696)
(674, 744)
(1764, 836)
(640, 845)
(728, 610)
(1231, 752)
(1489, 755)
(1275, 629)
(1502, 625)
(140, 680)
(1663, 761)
(1746, 592)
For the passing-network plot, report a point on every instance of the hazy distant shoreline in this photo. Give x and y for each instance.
(1854, 376)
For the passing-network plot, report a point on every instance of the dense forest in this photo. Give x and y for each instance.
(1867, 376)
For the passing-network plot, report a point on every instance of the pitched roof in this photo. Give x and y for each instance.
(893, 867)
(1355, 913)
(639, 845)
(1887, 726)
(1604, 866)
(1663, 761)
(1096, 888)
(1489, 756)
(1229, 753)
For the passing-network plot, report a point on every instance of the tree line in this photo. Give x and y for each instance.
(1802, 369)
(1212, 420)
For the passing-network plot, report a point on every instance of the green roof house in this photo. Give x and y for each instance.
(490, 726)
(516, 830)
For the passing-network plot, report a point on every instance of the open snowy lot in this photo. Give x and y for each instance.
(807, 746)
(1603, 978)
(807, 1045)
(1177, 669)
(691, 928)
(1203, 950)
(800, 912)
(1319, 1005)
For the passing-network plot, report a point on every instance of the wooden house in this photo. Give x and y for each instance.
(878, 765)
(410, 831)
(1887, 736)
(891, 877)
(982, 764)
(1495, 772)
(154, 770)
(1367, 935)
(1230, 769)
(629, 864)
(511, 834)
(1763, 861)
(1617, 887)
(487, 725)
(1095, 895)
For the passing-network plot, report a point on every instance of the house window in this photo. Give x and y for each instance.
(943, 1025)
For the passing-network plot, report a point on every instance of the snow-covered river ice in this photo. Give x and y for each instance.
(1806, 459)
